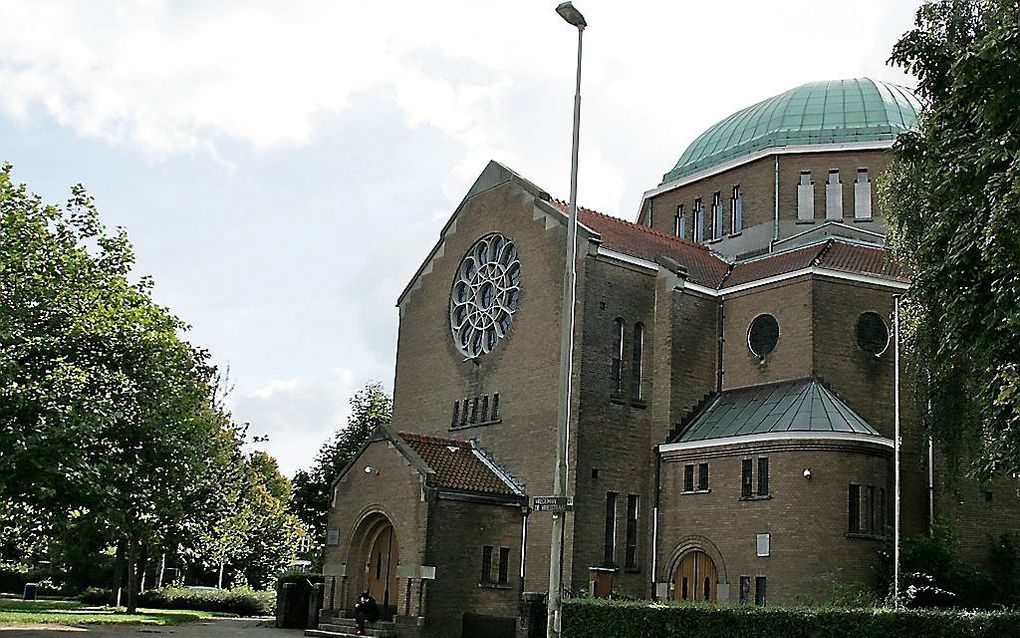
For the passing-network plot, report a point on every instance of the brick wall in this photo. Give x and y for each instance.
(790, 303)
(807, 518)
(757, 182)
(460, 531)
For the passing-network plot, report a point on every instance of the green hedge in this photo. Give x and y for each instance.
(591, 618)
(243, 601)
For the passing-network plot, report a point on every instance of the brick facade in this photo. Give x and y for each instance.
(624, 432)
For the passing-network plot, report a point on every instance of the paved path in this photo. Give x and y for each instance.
(214, 628)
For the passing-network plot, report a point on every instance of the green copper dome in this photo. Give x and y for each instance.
(833, 112)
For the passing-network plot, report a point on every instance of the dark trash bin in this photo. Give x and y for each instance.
(30, 590)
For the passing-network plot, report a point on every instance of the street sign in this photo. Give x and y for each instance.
(554, 504)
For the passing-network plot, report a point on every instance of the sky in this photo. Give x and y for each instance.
(283, 168)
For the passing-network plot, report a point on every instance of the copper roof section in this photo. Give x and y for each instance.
(459, 465)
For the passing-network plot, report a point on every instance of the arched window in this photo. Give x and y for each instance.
(636, 368)
(617, 366)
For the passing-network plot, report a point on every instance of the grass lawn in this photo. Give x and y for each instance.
(69, 612)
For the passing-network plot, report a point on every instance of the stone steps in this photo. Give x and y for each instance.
(344, 627)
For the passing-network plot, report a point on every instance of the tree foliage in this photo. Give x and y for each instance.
(110, 422)
(953, 198)
(370, 408)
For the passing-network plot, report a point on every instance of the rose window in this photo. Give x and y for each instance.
(485, 295)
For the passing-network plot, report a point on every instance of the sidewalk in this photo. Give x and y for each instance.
(215, 628)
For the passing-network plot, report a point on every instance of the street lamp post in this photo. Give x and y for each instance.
(574, 18)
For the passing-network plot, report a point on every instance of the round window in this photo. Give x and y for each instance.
(763, 335)
(872, 333)
(485, 295)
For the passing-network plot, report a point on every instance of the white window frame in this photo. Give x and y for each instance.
(862, 195)
(834, 196)
(805, 197)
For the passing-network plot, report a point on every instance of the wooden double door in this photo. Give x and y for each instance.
(696, 577)
(382, 570)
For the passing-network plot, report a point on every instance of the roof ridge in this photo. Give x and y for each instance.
(647, 229)
(437, 439)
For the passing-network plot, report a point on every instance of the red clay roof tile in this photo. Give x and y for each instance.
(457, 465)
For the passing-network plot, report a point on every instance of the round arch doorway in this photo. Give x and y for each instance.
(378, 548)
(695, 577)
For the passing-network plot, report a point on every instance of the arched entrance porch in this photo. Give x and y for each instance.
(376, 550)
(695, 577)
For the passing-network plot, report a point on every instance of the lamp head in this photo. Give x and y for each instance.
(571, 15)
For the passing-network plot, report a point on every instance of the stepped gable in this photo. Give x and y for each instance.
(703, 266)
(458, 465)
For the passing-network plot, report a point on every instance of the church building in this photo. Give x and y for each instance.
(732, 424)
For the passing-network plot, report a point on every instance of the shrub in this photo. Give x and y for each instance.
(295, 576)
(595, 618)
(97, 596)
(243, 601)
(13, 578)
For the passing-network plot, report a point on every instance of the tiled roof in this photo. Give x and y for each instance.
(709, 269)
(791, 406)
(459, 465)
(703, 266)
(861, 259)
(772, 265)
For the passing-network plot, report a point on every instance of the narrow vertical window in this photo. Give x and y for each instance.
(763, 476)
(854, 509)
(464, 412)
(717, 216)
(487, 564)
(805, 197)
(759, 591)
(834, 196)
(868, 498)
(688, 478)
(745, 590)
(862, 195)
(636, 368)
(609, 553)
(617, 366)
(703, 476)
(495, 407)
(746, 482)
(456, 414)
(699, 221)
(485, 408)
(474, 410)
(651, 213)
(632, 522)
(880, 511)
(678, 222)
(504, 566)
(736, 210)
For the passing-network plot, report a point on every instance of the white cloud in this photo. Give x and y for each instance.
(298, 414)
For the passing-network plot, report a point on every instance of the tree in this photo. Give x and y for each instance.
(259, 536)
(952, 195)
(370, 408)
(105, 411)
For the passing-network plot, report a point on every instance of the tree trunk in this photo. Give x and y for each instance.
(162, 570)
(132, 584)
(118, 571)
(219, 583)
(143, 563)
